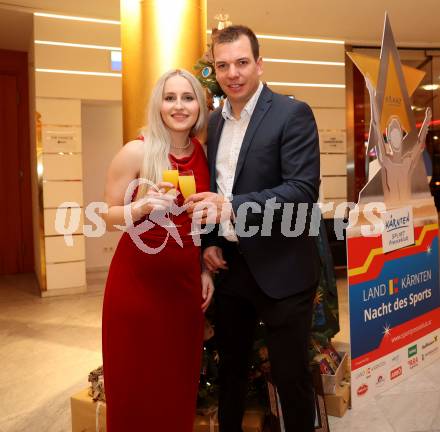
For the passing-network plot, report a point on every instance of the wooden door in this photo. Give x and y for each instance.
(16, 235)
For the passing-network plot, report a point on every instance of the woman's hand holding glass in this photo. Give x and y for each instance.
(171, 176)
(157, 199)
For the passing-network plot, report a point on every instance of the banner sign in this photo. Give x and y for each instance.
(393, 276)
(394, 302)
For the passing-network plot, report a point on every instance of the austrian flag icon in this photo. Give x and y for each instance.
(393, 286)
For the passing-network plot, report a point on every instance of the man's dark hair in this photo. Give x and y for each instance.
(231, 34)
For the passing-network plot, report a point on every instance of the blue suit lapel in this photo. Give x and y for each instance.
(262, 106)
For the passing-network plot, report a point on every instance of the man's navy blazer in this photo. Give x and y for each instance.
(279, 158)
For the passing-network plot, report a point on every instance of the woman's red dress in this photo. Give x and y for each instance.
(152, 326)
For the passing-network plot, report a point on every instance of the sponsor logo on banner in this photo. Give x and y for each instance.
(413, 362)
(431, 342)
(380, 381)
(428, 353)
(378, 366)
(360, 374)
(412, 351)
(395, 373)
(398, 229)
(395, 359)
(362, 389)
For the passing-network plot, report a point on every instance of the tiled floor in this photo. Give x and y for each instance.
(48, 346)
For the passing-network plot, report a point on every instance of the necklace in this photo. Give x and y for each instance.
(184, 147)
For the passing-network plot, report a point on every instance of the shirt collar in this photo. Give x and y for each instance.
(249, 107)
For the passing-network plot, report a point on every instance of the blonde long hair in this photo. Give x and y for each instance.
(157, 139)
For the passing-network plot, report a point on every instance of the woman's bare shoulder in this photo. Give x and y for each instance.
(134, 149)
(129, 157)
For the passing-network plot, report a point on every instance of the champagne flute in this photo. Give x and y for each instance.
(187, 184)
(171, 176)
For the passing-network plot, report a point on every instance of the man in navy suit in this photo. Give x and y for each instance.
(263, 154)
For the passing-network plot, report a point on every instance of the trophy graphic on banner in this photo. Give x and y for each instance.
(392, 238)
(403, 176)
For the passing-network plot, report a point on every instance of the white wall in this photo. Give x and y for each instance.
(61, 146)
(68, 173)
(101, 140)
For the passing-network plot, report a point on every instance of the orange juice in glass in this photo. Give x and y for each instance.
(171, 176)
(187, 183)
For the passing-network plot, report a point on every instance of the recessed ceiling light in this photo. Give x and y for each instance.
(296, 84)
(300, 39)
(296, 39)
(430, 87)
(76, 18)
(308, 62)
(76, 72)
(77, 45)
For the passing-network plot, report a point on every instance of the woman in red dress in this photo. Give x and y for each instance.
(156, 292)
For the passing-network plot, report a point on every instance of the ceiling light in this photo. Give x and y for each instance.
(417, 108)
(293, 84)
(75, 72)
(430, 87)
(77, 45)
(297, 39)
(76, 18)
(310, 62)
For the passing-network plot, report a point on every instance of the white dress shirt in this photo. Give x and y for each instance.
(228, 150)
